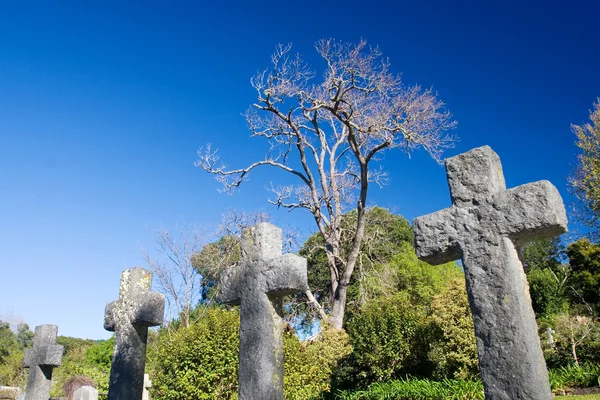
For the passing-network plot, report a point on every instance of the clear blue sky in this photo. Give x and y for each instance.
(104, 104)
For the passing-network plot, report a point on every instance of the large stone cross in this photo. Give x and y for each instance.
(130, 317)
(259, 283)
(41, 359)
(484, 227)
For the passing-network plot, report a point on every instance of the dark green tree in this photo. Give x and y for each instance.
(584, 260)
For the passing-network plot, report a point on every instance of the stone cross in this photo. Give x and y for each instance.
(259, 283)
(484, 227)
(129, 317)
(86, 393)
(147, 386)
(41, 359)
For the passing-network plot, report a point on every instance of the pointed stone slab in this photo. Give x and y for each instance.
(86, 393)
(259, 283)
(41, 359)
(483, 227)
(130, 317)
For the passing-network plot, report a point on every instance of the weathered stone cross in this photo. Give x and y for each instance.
(259, 283)
(41, 359)
(129, 317)
(484, 227)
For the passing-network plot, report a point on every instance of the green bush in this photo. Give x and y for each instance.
(200, 361)
(308, 366)
(384, 336)
(74, 363)
(453, 349)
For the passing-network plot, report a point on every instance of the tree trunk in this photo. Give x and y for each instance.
(336, 320)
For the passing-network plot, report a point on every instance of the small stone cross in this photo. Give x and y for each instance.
(86, 393)
(44, 356)
(484, 227)
(259, 283)
(130, 317)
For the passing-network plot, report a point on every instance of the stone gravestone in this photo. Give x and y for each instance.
(86, 393)
(130, 317)
(41, 360)
(484, 227)
(259, 283)
(147, 386)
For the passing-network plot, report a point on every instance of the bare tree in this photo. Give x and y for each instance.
(172, 268)
(329, 136)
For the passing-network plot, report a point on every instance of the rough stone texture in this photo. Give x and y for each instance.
(41, 359)
(259, 284)
(147, 386)
(129, 317)
(9, 392)
(483, 227)
(86, 393)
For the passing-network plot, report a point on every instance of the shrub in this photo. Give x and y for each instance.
(453, 347)
(308, 366)
(200, 361)
(384, 336)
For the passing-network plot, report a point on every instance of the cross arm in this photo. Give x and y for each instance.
(287, 275)
(109, 317)
(436, 237)
(529, 212)
(49, 355)
(230, 285)
(150, 310)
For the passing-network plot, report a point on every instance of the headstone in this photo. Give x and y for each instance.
(86, 393)
(130, 317)
(484, 227)
(147, 386)
(9, 392)
(41, 359)
(259, 283)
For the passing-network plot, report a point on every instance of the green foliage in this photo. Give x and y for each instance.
(71, 343)
(546, 275)
(201, 361)
(383, 336)
(198, 362)
(418, 389)
(572, 376)
(75, 363)
(384, 235)
(453, 347)
(11, 357)
(24, 335)
(585, 180)
(584, 259)
(101, 353)
(308, 366)
(12, 372)
(548, 295)
(576, 339)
